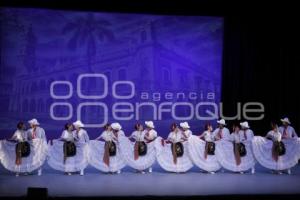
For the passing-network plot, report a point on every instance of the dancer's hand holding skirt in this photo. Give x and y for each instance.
(142, 162)
(74, 162)
(27, 163)
(226, 155)
(96, 157)
(263, 152)
(165, 159)
(196, 149)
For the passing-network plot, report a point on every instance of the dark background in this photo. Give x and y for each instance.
(261, 47)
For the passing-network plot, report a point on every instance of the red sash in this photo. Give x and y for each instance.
(106, 154)
(34, 133)
(285, 135)
(220, 133)
(174, 153)
(245, 134)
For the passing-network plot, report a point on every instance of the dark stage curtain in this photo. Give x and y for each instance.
(261, 62)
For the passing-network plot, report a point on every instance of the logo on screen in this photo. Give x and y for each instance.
(123, 107)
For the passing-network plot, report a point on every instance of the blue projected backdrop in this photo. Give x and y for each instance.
(60, 66)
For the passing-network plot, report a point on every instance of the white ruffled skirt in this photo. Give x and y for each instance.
(143, 162)
(36, 158)
(72, 164)
(225, 154)
(96, 152)
(196, 149)
(262, 149)
(165, 158)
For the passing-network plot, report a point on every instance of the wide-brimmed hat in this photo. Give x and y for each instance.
(116, 126)
(221, 121)
(78, 123)
(286, 120)
(34, 122)
(184, 125)
(149, 124)
(245, 125)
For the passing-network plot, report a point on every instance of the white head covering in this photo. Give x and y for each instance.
(286, 120)
(78, 123)
(149, 124)
(34, 122)
(184, 125)
(245, 124)
(222, 121)
(116, 126)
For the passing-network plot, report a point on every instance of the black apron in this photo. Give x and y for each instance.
(241, 149)
(112, 148)
(210, 148)
(23, 149)
(279, 147)
(178, 149)
(69, 149)
(142, 148)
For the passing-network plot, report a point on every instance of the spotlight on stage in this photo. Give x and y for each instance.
(37, 193)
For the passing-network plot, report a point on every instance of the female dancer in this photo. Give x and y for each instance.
(106, 156)
(236, 155)
(202, 150)
(172, 154)
(275, 152)
(27, 152)
(141, 154)
(68, 154)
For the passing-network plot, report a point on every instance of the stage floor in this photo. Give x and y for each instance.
(158, 183)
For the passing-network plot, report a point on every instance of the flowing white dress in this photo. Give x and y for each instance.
(164, 154)
(262, 149)
(196, 147)
(145, 161)
(96, 153)
(36, 158)
(225, 152)
(74, 163)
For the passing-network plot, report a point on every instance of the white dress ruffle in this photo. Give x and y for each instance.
(143, 162)
(262, 149)
(36, 158)
(96, 152)
(225, 154)
(74, 163)
(165, 158)
(196, 149)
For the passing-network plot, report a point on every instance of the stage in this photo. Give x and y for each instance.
(158, 183)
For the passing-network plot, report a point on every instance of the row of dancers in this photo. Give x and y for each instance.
(211, 151)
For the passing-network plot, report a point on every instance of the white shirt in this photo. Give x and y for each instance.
(236, 137)
(138, 135)
(208, 136)
(249, 134)
(68, 136)
(178, 136)
(290, 132)
(19, 136)
(224, 133)
(110, 136)
(150, 134)
(39, 133)
(81, 135)
(274, 135)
